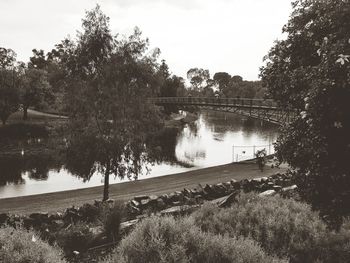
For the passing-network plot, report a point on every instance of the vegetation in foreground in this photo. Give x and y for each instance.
(253, 229)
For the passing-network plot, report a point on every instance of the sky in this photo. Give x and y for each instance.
(220, 35)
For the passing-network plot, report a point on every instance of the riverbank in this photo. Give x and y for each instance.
(58, 201)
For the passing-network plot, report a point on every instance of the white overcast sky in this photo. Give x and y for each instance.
(219, 35)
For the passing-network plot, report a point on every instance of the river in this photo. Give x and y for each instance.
(215, 138)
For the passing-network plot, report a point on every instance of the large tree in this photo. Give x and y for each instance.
(222, 80)
(309, 72)
(9, 81)
(109, 81)
(35, 89)
(198, 78)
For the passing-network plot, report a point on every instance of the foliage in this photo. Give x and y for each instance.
(168, 240)
(281, 226)
(109, 79)
(89, 212)
(309, 72)
(35, 89)
(9, 83)
(170, 86)
(19, 245)
(76, 237)
(198, 78)
(111, 218)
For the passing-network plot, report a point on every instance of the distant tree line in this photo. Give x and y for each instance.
(222, 84)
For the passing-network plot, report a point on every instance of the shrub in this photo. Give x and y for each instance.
(76, 237)
(283, 227)
(19, 245)
(89, 212)
(111, 218)
(168, 240)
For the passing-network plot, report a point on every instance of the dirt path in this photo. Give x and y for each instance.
(57, 201)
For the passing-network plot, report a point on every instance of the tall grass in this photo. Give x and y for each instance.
(169, 240)
(282, 227)
(21, 246)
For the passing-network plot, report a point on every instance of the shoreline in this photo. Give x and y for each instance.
(58, 201)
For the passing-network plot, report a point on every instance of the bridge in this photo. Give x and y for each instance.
(262, 109)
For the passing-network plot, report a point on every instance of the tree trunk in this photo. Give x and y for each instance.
(25, 113)
(106, 185)
(3, 121)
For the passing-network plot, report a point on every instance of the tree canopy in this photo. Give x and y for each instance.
(109, 81)
(9, 83)
(309, 72)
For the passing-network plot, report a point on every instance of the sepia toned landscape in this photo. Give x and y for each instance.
(175, 131)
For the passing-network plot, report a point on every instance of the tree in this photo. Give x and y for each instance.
(35, 89)
(222, 79)
(309, 72)
(109, 81)
(198, 78)
(9, 96)
(38, 59)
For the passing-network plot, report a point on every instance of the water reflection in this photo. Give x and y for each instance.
(207, 142)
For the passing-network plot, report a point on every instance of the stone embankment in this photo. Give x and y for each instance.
(178, 202)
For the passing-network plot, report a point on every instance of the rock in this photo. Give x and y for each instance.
(56, 216)
(235, 184)
(161, 204)
(140, 197)
(153, 197)
(277, 188)
(289, 188)
(199, 199)
(144, 202)
(126, 226)
(268, 193)
(187, 192)
(135, 203)
(179, 210)
(226, 201)
(39, 218)
(3, 218)
(227, 185)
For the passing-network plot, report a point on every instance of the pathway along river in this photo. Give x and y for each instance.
(215, 138)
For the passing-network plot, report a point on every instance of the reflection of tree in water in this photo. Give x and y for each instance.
(10, 171)
(161, 146)
(37, 165)
(220, 122)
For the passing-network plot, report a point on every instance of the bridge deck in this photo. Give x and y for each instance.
(264, 109)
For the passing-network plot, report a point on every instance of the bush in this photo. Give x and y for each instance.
(89, 212)
(74, 238)
(283, 227)
(19, 245)
(111, 218)
(168, 240)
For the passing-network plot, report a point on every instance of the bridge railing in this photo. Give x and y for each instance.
(239, 102)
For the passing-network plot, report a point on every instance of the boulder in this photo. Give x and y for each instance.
(226, 201)
(268, 193)
(39, 218)
(135, 203)
(140, 197)
(4, 218)
(179, 210)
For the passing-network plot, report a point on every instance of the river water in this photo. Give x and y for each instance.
(215, 138)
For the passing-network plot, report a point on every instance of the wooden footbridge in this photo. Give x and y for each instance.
(263, 109)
